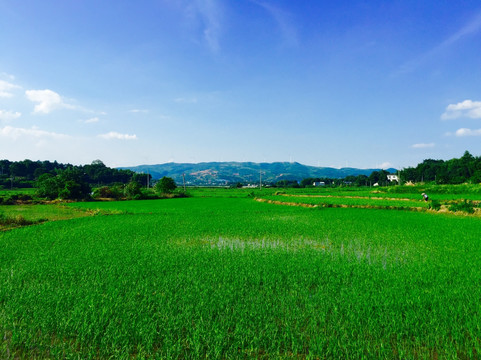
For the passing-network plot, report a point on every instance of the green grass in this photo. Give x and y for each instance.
(23, 191)
(333, 201)
(21, 215)
(234, 278)
(389, 198)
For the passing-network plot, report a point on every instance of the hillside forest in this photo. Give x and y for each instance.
(81, 178)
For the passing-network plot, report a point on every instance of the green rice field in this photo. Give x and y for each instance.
(220, 275)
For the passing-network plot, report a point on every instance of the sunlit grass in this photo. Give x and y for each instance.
(234, 278)
(21, 215)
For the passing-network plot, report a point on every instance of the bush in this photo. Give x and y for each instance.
(133, 190)
(465, 206)
(166, 185)
(435, 205)
(112, 192)
(69, 184)
(18, 220)
(182, 194)
(14, 199)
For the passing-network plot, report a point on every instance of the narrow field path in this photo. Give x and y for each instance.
(348, 197)
(286, 203)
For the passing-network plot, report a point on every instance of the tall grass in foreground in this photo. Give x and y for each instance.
(232, 278)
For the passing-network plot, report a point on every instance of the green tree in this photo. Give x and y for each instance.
(166, 185)
(48, 186)
(287, 183)
(71, 190)
(476, 178)
(74, 185)
(133, 190)
(69, 184)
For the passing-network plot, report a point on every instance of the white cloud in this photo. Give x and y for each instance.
(47, 100)
(5, 88)
(423, 145)
(135, 111)
(91, 120)
(9, 115)
(467, 132)
(466, 108)
(116, 135)
(385, 165)
(15, 133)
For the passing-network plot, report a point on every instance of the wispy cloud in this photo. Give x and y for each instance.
(115, 135)
(284, 21)
(91, 120)
(136, 111)
(6, 88)
(9, 115)
(467, 108)
(384, 165)
(8, 76)
(467, 132)
(15, 133)
(423, 145)
(210, 14)
(47, 100)
(182, 100)
(471, 27)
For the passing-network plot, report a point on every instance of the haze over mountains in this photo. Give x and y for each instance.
(222, 173)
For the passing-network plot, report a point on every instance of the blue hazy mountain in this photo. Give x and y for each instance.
(221, 173)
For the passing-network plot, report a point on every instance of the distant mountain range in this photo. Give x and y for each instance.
(222, 173)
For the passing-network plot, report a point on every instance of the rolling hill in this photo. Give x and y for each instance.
(223, 173)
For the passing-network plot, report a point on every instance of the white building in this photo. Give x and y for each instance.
(392, 177)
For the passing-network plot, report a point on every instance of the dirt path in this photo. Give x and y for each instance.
(286, 203)
(349, 197)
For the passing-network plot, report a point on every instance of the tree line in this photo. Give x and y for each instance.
(25, 173)
(466, 169)
(68, 180)
(53, 180)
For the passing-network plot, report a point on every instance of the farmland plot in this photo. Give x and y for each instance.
(235, 278)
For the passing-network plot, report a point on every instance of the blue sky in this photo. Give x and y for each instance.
(326, 83)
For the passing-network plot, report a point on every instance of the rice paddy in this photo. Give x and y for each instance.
(224, 276)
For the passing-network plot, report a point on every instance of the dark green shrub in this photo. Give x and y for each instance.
(166, 185)
(133, 190)
(465, 206)
(435, 205)
(14, 199)
(18, 220)
(108, 192)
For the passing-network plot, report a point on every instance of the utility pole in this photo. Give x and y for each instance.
(183, 179)
(260, 179)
